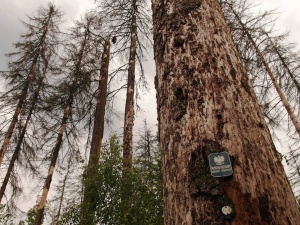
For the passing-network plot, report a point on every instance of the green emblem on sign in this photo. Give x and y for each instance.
(220, 165)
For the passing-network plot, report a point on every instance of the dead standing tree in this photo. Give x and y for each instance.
(247, 31)
(80, 69)
(207, 105)
(128, 21)
(42, 29)
(18, 148)
(88, 208)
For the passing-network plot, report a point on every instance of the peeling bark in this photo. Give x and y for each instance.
(203, 76)
(129, 107)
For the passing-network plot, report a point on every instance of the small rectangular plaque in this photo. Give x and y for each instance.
(220, 164)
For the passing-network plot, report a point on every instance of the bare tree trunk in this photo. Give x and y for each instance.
(283, 99)
(129, 107)
(55, 152)
(206, 105)
(87, 212)
(18, 147)
(100, 107)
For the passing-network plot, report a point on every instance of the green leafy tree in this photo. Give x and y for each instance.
(141, 188)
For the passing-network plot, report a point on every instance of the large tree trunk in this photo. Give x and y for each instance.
(129, 107)
(206, 104)
(88, 209)
(55, 152)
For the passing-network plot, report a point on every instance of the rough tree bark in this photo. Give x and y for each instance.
(129, 107)
(206, 104)
(23, 95)
(281, 95)
(88, 209)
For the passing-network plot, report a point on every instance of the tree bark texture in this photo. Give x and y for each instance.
(281, 95)
(206, 105)
(129, 106)
(55, 152)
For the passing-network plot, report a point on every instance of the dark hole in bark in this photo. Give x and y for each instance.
(264, 208)
(219, 116)
(179, 93)
(166, 72)
(261, 125)
(178, 42)
(189, 5)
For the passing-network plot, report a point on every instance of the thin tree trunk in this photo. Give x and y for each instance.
(87, 212)
(206, 105)
(63, 192)
(30, 77)
(283, 99)
(22, 135)
(98, 129)
(18, 109)
(18, 147)
(129, 107)
(55, 152)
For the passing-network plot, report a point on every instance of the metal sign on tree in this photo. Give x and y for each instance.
(220, 164)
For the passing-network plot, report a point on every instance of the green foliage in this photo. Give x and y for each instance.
(134, 197)
(71, 215)
(31, 216)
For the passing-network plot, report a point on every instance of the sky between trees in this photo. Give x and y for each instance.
(13, 11)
